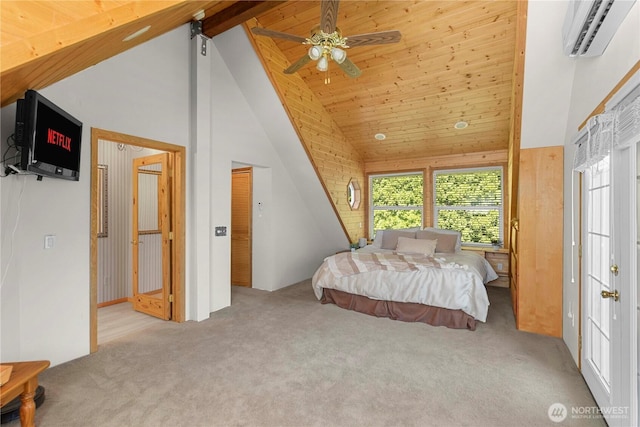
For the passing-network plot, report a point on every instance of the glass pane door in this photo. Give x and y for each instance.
(597, 259)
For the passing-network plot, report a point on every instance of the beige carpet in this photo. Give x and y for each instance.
(284, 359)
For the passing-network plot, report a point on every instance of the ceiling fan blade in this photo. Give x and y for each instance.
(270, 33)
(382, 37)
(297, 65)
(328, 15)
(350, 68)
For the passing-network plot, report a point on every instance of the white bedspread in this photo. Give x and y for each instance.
(452, 280)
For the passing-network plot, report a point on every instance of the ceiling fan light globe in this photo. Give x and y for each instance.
(315, 52)
(323, 64)
(338, 55)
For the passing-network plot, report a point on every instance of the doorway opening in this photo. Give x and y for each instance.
(163, 213)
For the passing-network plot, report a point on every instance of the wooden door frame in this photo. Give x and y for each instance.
(177, 159)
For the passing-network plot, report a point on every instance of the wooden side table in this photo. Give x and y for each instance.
(499, 260)
(23, 383)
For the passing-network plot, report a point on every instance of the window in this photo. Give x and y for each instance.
(396, 201)
(470, 201)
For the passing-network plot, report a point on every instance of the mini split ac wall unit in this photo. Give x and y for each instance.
(590, 25)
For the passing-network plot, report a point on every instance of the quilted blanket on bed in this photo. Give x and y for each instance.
(454, 281)
(346, 264)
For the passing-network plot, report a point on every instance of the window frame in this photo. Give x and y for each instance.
(501, 209)
(371, 207)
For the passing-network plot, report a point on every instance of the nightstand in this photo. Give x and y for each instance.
(499, 260)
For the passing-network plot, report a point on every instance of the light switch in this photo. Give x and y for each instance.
(49, 241)
(221, 231)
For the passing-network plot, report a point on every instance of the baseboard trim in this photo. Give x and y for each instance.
(113, 302)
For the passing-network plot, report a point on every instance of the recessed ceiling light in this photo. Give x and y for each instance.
(136, 34)
(380, 136)
(461, 125)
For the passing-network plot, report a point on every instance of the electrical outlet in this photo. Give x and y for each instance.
(499, 266)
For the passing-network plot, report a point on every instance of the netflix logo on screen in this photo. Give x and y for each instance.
(61, 140)
(57, 139)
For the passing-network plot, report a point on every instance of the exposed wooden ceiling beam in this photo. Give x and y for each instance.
(236, 14)
(54, 52)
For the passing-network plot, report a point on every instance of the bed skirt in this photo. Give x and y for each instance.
(405, 311)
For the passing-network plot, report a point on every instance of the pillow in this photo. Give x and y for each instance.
(446, 241)
(377, 241)
(416, 246)
(390, 238)
(454, 232)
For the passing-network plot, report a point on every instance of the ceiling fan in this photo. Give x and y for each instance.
(327, 42)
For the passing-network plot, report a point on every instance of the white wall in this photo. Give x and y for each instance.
(145, 91)
(548, 76)
(252, 128)
(45, 296)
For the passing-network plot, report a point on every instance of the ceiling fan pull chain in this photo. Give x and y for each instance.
(327, 78)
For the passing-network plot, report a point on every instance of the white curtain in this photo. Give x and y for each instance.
(617, 128)
(627, 125)
(595, 144)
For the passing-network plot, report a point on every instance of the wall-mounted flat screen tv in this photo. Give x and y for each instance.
(48, 137)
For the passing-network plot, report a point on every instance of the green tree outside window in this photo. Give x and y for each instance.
(396, 201)
(470, 201)
(466, 200)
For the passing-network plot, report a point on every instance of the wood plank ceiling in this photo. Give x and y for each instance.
(42, 42)
(454, 62)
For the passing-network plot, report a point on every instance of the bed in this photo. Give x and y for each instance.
(409, 275)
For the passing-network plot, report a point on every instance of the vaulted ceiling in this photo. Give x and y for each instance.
(453, 63)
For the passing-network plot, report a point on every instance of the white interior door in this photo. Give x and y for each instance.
(608, 271)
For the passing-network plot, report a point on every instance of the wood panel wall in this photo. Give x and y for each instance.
(539, 252)
(333, 157)
(430, 164)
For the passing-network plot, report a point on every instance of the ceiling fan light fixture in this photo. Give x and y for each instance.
(315, 52)
(338, 55)
(323, 64)
(327, 43)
